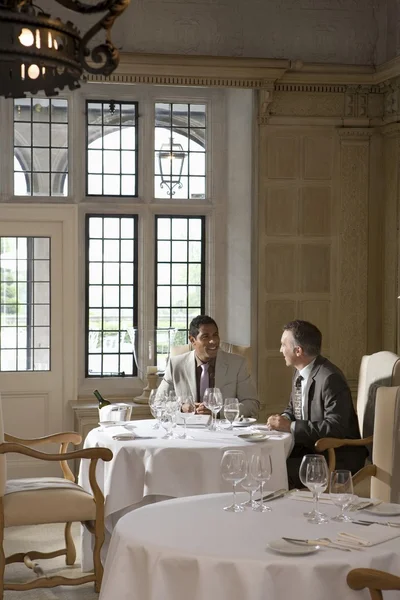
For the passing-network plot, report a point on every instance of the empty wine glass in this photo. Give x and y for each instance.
(188, 409)
(166, 421)
(156, 401)
(250, 485)
(317, 478)
(213, 400)
(341, 492)
(234, 469)
(260, 469)
(302, 476)
(231, 410)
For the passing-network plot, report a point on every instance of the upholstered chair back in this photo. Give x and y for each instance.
(376, 370)
(3, 464)
(386, 447)
(244, 351)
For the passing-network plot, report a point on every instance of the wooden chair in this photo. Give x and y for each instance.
(44, 500)
(385, 478)
(377, 370)
(374, 580)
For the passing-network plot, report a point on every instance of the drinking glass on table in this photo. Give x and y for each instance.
(302, 476)
(188, 409)
(231, 410)
(260, 469)
(156, 401)
(167, 424)
(317, 479)
(341, 492)
(234, 469)
(213, 400)
(250, 485)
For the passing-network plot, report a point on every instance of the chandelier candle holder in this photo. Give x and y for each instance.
(152, 384)
(40, 53)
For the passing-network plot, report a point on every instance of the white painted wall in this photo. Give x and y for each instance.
(239, 115)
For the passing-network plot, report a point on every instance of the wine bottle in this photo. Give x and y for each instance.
(102, 401)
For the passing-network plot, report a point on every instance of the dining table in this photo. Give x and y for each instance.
(190, 548)
(148, 468)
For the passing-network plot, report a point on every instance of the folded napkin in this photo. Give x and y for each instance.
(367, 536)
(308, 497)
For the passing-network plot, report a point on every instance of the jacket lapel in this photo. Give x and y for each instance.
(221, 368)
(190, 370)
(310, 384)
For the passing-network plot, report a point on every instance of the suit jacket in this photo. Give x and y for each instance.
(328, 412)
(231, 377)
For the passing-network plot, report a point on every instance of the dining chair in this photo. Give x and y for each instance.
(374, 580)
(376, 370)
(45, 500)
(384, 477)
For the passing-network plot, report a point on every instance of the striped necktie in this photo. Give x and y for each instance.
(297, 399)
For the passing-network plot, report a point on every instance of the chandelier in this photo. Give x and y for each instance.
(39, 53)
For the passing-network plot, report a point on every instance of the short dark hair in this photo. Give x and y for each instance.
(306, 335)
(197, 322)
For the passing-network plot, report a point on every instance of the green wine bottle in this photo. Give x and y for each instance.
(102, 401)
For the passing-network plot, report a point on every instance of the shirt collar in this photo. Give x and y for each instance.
(199, 362)
(306, 371)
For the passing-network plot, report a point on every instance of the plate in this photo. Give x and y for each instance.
(245, 422)
(385, 509)
(253, 437)
(111, 423)
(284, 547)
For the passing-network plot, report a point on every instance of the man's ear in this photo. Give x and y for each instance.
(192, 339)
(299, 351)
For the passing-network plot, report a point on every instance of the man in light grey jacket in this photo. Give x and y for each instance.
(208, 366)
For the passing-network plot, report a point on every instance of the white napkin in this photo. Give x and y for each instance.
(308, 497)
(359, 535)
(195, 420)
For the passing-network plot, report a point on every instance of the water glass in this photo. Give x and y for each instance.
(341, 492)
(317, 479)
(234, 469)
(260, 469)
(231, 410)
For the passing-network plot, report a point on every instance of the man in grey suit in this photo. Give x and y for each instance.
(320, 403)
(208, 366)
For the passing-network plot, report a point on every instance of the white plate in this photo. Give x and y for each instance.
(253, 437)
(245, 423)
(284, 547)
(385, 509)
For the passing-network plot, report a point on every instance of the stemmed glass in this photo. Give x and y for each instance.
(234, 468)
(261, 470)
(213, 400)
(250, 485)
(166, 421)
(317, 478)
(341, 492)
(156, 401)
(188, 409)
(231, 410)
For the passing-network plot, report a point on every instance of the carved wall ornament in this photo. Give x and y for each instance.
(355, 133)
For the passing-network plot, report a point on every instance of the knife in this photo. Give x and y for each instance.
(272, 495)
(387, 523)
(316, 543)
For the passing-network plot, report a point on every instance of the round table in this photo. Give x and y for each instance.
(190, 548)
(150, 468)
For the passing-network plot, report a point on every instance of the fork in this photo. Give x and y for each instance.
(388, 523)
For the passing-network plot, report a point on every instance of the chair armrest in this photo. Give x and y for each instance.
(326, 443)
(358, 579)
(367, 471)
(102, 453)
(67, 437)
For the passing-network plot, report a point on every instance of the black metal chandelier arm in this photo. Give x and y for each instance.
(106, 55)
(88, 9)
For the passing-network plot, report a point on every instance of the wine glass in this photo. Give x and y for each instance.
(250, 485)
(213, 400)
(260, 469)
(317, 478)
(155, 405)
(166, 421)
(188, 409)
(231, 410)
(302, 476)
(234, 468)
(341, 492)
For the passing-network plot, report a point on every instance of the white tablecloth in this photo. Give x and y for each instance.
(149, 469)
(189, 548)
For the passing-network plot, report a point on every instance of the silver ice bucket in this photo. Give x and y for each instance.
(117, 413)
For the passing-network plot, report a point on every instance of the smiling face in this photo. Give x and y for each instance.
(292, 354)
(206, 343)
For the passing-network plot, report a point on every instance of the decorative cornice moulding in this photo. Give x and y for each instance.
(257, 73)
(355, 133)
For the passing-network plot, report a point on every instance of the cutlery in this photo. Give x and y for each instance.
(388, 523)
(270, 494)
(319, 542)
(364, 505)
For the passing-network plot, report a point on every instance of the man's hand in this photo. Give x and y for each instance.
(279, 423)
(201, 409)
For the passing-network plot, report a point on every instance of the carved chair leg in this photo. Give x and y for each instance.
(2, 555)
(98, 543)
(69, 545)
